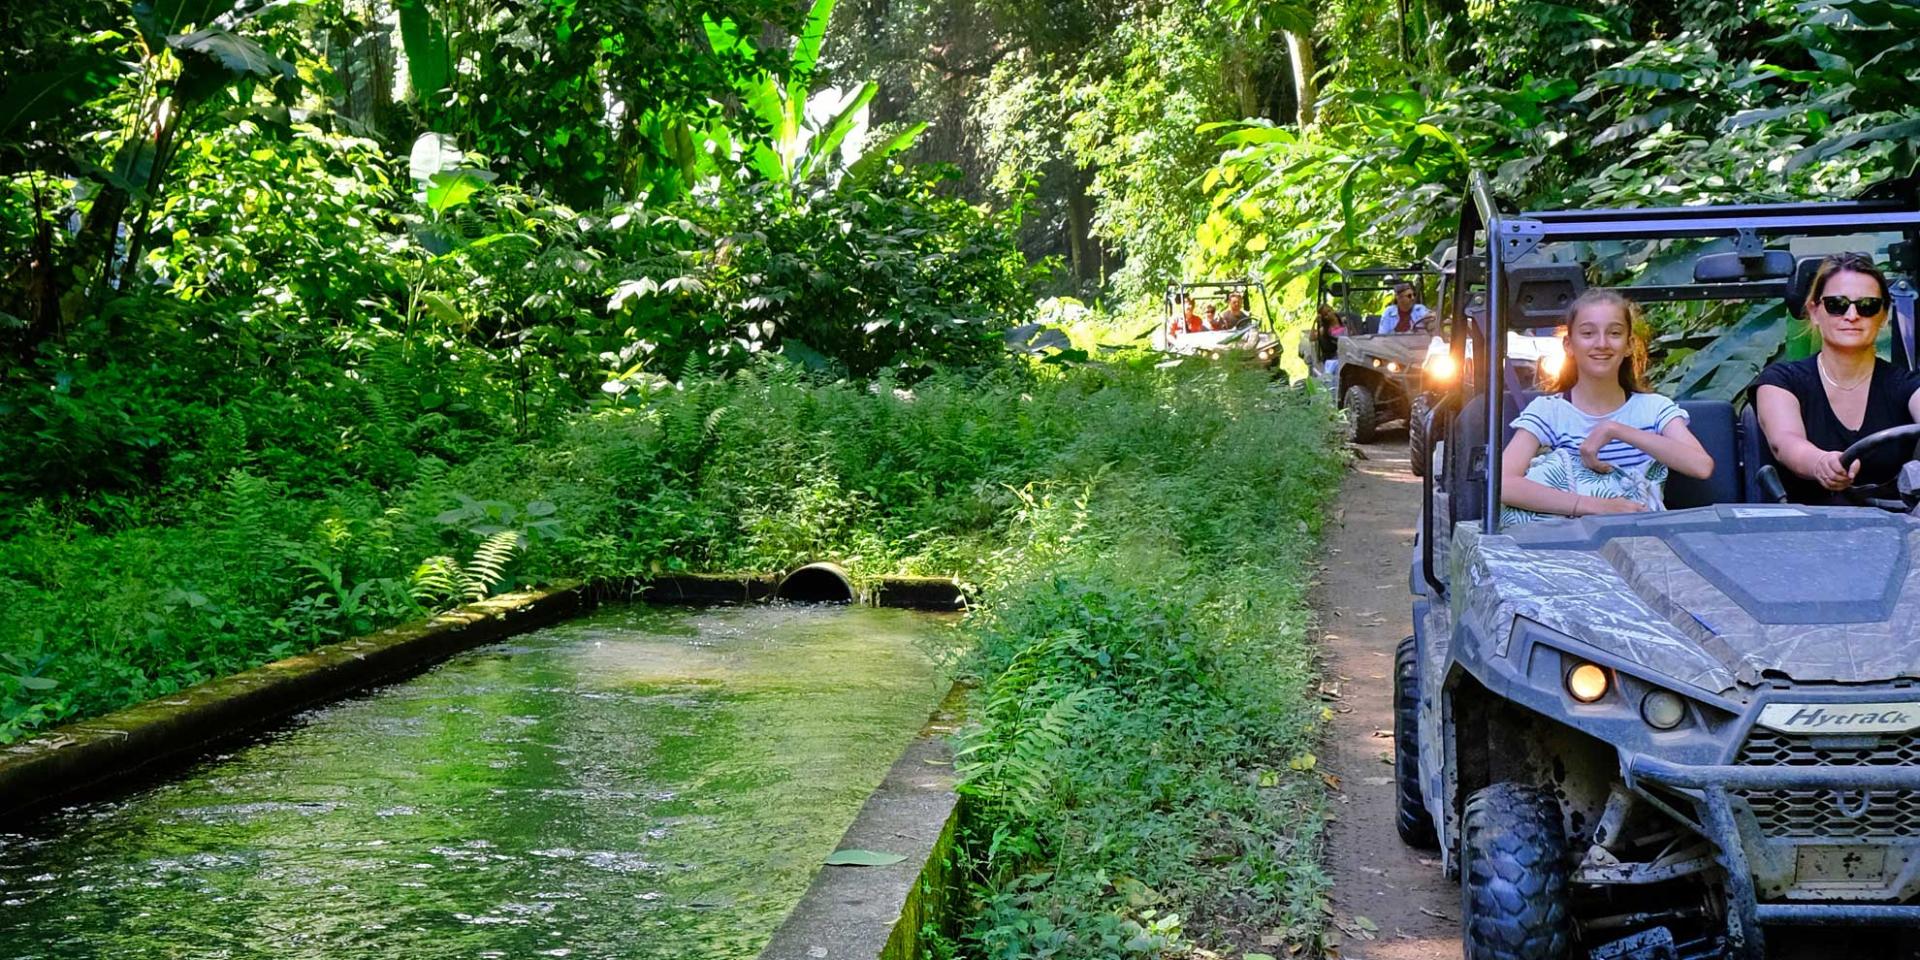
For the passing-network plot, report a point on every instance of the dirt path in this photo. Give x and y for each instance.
(1391, 902)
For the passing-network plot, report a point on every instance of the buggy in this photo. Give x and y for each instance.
(1255, 337)
(1672, 734)
(1374, 376)
(1532, 357)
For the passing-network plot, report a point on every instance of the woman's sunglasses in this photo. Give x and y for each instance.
(1869, 307)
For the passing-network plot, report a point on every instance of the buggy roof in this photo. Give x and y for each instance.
(1516, 242)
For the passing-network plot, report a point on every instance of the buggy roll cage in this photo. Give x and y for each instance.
(1504, 280)
(1248, 289)
(1368, 279)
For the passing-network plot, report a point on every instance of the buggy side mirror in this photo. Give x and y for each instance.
(1732, 267)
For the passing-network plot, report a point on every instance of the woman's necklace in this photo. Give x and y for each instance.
(1831, 382)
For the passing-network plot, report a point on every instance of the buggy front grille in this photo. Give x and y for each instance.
(1813, 814)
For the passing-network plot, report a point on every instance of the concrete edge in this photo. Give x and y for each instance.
(883, 913)
(94, 756)
(88, 756)
(919, 593)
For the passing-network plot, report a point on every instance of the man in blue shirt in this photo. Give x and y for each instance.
(1403, 315)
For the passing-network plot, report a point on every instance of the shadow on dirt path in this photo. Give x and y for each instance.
(1391, 902)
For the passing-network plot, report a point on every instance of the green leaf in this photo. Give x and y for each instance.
(38, 97)
(1641, 77)
(429, 55)
(238, 55)
(42, 683)
(821, 154)
(1722, 368)
(453, 188)
(1634, 126)
(161, 19)
(862, 858)
(440, 306)
(875, 155)
(806, 50)
(540, 508)
(1820, 151)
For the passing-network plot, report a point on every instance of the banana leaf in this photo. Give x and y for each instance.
(1724, 367)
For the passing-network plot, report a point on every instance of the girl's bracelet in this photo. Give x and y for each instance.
(1576, 505)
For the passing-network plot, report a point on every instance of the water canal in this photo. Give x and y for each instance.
(643, 782)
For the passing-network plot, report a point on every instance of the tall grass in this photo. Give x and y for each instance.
(756, 471)
(1140, 764)
(1139, 759)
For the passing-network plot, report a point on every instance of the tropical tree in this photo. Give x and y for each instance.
(801, 128)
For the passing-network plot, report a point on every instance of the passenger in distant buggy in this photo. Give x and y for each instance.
(1235, 315)
(1601, 442)
(1813, 409)
(1406, 314)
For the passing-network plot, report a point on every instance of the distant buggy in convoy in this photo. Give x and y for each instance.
(1184, 329)
(1671, 734)
(1374, 374)
(1532, 358)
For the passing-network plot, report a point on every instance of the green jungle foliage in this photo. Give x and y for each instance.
(315, 317)
(1586, 103)
(1140, 765)
(1174, 140)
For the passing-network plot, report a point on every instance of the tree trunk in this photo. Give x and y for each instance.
(1081, 248)
(1300, 51)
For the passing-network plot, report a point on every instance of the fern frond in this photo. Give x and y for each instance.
(488, 568)
(436, 580)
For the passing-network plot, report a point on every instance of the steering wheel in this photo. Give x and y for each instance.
(1875, 495)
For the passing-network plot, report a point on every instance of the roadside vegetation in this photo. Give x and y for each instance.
(317, 317)
(1140, 766)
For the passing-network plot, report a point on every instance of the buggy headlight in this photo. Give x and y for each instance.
(1549, 364)
(1587, 682)
(1440, 367)
(1393, 367)
(1663, 710)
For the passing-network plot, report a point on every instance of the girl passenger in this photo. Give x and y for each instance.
(1601, 442)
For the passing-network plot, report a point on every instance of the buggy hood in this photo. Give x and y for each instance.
(1715, 596)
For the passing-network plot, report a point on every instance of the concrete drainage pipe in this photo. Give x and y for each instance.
(817, 583)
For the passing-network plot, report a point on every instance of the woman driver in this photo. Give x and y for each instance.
(1813, 409)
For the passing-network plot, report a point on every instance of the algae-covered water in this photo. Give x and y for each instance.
(639, 783)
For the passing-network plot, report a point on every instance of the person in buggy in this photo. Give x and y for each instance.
(1235, 315)
(1600, 441)
(1406, 314)
(1813, 409)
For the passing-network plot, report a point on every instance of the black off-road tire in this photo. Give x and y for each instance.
(1410, 809)
(1514, 890)
(1362, 412)
(1419, 445)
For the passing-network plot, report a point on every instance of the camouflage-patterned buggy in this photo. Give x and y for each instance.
(1374, 376)
(1672, 734)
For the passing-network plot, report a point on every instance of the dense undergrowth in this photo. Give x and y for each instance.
(1145, 720)
(278, 552)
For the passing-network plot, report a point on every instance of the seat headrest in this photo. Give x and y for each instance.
(1801, 285)
(1539, 293)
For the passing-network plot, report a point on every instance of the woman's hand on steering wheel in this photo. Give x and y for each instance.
(1831, 473)
(1849, 460)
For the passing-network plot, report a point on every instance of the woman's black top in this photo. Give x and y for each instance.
(1887, 398)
